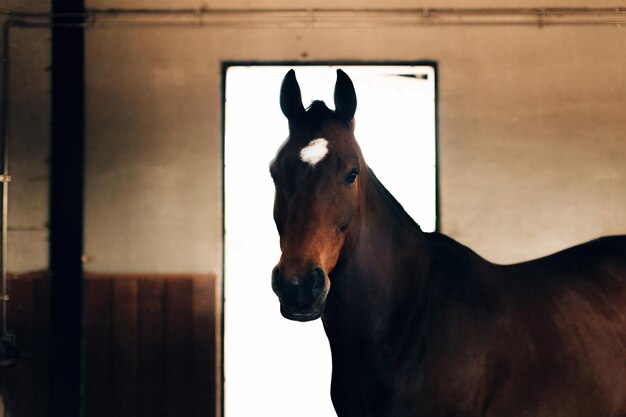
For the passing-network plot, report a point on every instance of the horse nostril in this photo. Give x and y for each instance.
(318, 278)
(278, 281)
(302, 290)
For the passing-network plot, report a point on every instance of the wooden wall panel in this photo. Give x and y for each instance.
(39, 347)
(205, 347)
(179, 364)
(18, 378)
(151, 390)
(150, 346)
(98, 358)
(124, 349)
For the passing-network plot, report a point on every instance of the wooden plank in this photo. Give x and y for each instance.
(151, 389)
(98, 360)
(179, 366)
(18, 377)
(205, 347)
(125, 344)
(41, 347)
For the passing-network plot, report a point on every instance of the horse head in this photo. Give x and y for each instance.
(316, 173)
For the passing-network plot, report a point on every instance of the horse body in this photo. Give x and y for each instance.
(441, 331)
(420, 325)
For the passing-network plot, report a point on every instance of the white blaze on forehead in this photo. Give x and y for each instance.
(314, 152)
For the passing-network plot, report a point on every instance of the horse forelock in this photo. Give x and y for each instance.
(318, 112)
(317, 115)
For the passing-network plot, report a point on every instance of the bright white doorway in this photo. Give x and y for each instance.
(272, 366)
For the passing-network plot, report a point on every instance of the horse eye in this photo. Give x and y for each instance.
(352, 176)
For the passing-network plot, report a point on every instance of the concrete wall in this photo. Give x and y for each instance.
(28, 128)
(531, 131)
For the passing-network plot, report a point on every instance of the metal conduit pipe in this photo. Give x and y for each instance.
(329, 18)
(8, 346)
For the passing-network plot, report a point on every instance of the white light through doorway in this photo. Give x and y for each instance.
(272, 366)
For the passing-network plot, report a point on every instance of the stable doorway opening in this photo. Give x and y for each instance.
(273, 366)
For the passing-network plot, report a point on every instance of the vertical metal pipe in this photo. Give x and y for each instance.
(4, 177)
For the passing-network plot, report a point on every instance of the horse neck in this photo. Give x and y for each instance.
(384, 266)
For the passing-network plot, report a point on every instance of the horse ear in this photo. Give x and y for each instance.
(345, 96)
(290, 96)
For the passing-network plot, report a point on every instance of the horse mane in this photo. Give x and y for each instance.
(393, 203)
(457, 258)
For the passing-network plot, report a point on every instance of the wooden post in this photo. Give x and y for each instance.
(66, 208)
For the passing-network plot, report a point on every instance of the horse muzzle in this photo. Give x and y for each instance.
(302, 298)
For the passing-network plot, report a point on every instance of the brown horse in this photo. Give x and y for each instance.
(420, 325)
